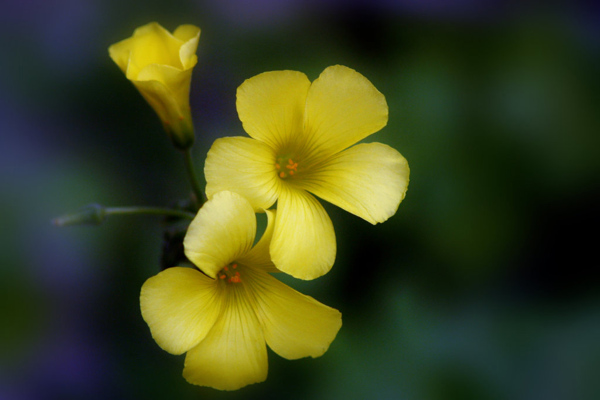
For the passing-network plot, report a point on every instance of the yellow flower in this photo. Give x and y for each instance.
(223, 317)
(301, 137)
(160, 65)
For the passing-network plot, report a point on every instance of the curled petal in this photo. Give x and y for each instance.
(180, 305)
(271, 106)
(244, 166)
(295, 325)
(234, 353)
(222, 231)
(189, 35)
(342, 108)
(367, 180)
(303, 243)
(178, 82)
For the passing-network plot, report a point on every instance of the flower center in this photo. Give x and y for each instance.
(286, 167)
(229, 274)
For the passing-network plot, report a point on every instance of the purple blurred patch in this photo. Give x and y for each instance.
(63, 32)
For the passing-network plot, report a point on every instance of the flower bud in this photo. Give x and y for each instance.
(160, 65)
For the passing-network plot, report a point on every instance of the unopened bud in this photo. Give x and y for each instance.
(160, 63)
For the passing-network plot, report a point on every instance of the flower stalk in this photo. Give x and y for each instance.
(95, 214)
(193, 177)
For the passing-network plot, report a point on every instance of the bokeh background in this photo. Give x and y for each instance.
(484, 285)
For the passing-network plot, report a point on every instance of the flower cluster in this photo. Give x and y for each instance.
(223, 307)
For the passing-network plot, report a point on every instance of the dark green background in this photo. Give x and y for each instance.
(485, 283)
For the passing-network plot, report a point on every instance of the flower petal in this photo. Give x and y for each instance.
(234, 353)
(190, 35)
(244, 166)
(271, 106)
(145, 39)
(222, 231)
(367, 180)
(180, 306)
(176, 84)
(294, 325)
(303, 243)
(120, 52)
(150, 44)
(160, 99)
(259, 256)
(342, 108)
(171, 104)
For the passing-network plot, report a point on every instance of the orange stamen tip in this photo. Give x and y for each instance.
(277, 166)
(282, 174)
(222, 277)
(237, 273)
(291, 172)
(235, 279)
(290, 161)
(234, 266)
(226, 269)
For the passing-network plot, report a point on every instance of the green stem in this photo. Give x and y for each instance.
(189, 166)
(148, 210)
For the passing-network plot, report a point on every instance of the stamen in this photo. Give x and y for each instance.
(285, 166)
(230, 276)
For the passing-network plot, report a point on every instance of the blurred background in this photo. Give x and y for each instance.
(484, 285)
